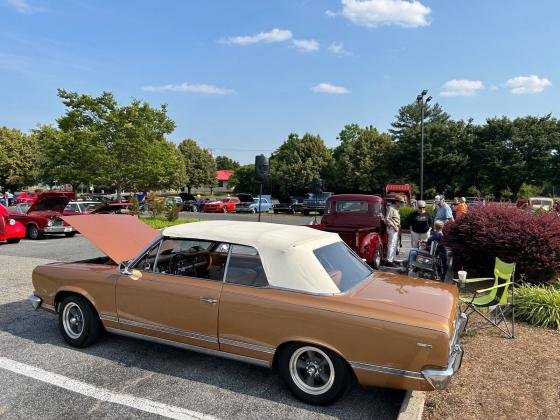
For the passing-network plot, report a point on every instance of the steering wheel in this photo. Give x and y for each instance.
(175, 263)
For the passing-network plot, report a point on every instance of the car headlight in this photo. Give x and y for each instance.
(11, 222)
(49, 223)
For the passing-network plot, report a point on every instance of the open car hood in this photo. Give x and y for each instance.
(54, 200)
(245, 198)
(120, 237)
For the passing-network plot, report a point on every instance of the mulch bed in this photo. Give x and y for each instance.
(502, 378)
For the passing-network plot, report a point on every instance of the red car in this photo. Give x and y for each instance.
(11, 230)
(26, 198)
(112, 208)
(43, 217)
(227, 205)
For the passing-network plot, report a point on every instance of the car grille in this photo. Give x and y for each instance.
(57, 222)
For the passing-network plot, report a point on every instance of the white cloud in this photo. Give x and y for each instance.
(330, 13)
(337, 48)
(494, 88)
(373, 13)
(522, 85)
(306, 45)
(461, 87)
(328, 88)
(23, 7)
(276, 35)
(190, 88)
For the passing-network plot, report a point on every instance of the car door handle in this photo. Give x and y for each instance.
(209, 300)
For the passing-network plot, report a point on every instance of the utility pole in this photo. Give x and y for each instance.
(422, 103)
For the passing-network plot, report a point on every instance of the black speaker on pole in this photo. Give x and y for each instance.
(261, 168)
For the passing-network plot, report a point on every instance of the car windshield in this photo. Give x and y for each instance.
(352, 206)
(344, 267)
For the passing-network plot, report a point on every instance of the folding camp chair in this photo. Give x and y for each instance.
(493, 300)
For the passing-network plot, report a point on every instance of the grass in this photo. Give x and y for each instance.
(538, 305)
(161, 222)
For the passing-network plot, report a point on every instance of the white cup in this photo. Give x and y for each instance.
(462, 276)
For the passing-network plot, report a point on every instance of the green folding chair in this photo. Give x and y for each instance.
(490, 302)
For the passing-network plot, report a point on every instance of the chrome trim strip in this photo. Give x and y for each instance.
(169, 330)
(105, 317)
(387, 370)
(204, 350)
(249, 346)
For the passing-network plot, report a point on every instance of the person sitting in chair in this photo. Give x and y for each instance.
(436, 236)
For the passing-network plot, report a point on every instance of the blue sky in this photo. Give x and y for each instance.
(239, 76)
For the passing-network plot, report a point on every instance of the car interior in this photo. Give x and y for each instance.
(206, 260)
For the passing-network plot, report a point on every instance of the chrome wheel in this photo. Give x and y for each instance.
(73, 320)
(312, 370)
(378, 257)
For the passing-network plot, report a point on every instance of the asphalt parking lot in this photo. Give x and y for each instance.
(42, 377)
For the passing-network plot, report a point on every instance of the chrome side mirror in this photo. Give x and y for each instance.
(123, 268)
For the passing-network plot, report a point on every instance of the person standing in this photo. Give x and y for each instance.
(461, 208)
(420, 224)
(393, 221)
(444, 213)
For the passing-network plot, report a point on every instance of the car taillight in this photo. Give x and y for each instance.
(11, 222)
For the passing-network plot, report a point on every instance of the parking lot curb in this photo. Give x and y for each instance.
(412, 406)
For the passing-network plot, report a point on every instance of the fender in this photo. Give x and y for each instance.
(368, 246)
(76, 290)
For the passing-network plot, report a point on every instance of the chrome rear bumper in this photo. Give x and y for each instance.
(440, 378)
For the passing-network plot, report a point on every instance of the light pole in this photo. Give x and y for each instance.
(422, 103)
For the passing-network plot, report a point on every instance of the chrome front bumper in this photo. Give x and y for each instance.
(35, 301)
(440, 378)
(58, 229)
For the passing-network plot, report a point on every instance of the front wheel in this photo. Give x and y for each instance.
(224, 209)
(33, 232)
(78, 322)
(314, 375)
(378, 257)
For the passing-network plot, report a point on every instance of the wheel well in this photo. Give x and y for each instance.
(282, 346)
(60, 296)
(29, 224)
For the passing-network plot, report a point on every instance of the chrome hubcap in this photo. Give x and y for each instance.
(73, 320)
(312, 370)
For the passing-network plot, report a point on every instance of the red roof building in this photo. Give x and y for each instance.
(223, 174)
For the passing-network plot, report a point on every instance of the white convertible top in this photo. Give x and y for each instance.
(286, 251)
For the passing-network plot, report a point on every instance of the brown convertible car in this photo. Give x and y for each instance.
(288, 297)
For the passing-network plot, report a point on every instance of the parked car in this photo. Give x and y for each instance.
(359, 220)
(315, 202)
(291, 206)
(288, 297)
(113, 208)
(475, 201)
(173, 200)
(190, 203)
(80, 207)
(44, 215)
(26, 197)
(227, 205)
(261, 204)
(11, 230)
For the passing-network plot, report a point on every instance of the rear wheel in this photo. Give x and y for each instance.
(33, 232)
(78, 322)
(253, 210)
(314, 375)
(224, 209)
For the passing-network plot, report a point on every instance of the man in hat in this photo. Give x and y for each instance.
(393, 220)
(420, 224)
(444, 212)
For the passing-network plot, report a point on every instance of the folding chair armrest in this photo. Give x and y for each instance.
(493, 287)
(478, 279)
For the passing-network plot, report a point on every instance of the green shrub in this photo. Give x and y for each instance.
(538, 305)
(172, 212)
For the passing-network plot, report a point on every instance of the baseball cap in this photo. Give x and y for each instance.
(421, 203)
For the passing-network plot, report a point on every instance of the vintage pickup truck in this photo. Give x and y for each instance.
(359, 220)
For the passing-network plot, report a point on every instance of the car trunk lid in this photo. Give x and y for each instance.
(120, 237)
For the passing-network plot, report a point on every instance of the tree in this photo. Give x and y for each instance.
(361, 159)
(18, 159)
(243, 180)
(298, 161)
(200, 167)
(223, 162)
(119, 145)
